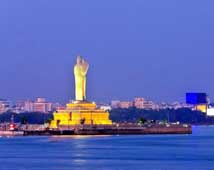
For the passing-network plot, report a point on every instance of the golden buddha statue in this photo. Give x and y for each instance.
(80, 71)
(80, 109)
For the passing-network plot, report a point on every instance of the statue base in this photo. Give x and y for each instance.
(80, 112)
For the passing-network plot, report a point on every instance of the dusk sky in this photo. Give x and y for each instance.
(157, 49)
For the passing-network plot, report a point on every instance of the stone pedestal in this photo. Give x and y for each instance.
(80, 112)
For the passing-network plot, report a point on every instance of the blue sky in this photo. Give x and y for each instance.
(150, 48)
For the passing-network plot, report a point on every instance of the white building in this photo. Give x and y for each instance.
(105, 107)
(115, 104)
(5, 105)
(139, 103)
(125, 104)
(210, 111)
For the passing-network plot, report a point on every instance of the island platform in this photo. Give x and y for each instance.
(119, 129)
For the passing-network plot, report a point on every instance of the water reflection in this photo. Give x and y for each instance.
(152, 152)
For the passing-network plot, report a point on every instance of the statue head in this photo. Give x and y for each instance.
(79, 60)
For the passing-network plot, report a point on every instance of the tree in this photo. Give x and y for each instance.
(142, 121)
(48, 120)
(24, 120)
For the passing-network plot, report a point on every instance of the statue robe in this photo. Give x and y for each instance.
(80, 82)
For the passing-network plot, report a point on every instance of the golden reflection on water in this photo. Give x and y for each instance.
(61, 137)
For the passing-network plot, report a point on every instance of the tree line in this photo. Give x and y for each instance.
(183, 115)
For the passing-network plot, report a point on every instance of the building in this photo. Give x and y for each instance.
(142, 103)
(105, 107)
(115, 104)
(56, 106)
(139, 103)
(5, 105)
(199, 100)
(210, 111)
(20, 105)
(28, 106)
(40, 105)
(125, 104)
(121, 104)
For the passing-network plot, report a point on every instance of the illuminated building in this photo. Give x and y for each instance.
(139, 103)
(28, 106)
(121, 104)
(202, 108)
(199, 100)
(115, 104)
(80, 111)
(19, 106)
(149, 105)
(210, 111)
(41, 106)
(4, 105)
(125, 104)
(105, 107)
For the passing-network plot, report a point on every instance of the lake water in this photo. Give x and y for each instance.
(152, 152)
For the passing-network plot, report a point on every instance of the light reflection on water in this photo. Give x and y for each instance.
(152, 152)
(78, 136)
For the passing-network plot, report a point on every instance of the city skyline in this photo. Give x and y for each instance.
(42, 105)
(106, 85)
(134, 52)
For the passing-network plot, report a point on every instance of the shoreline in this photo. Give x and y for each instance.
(114, 130)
